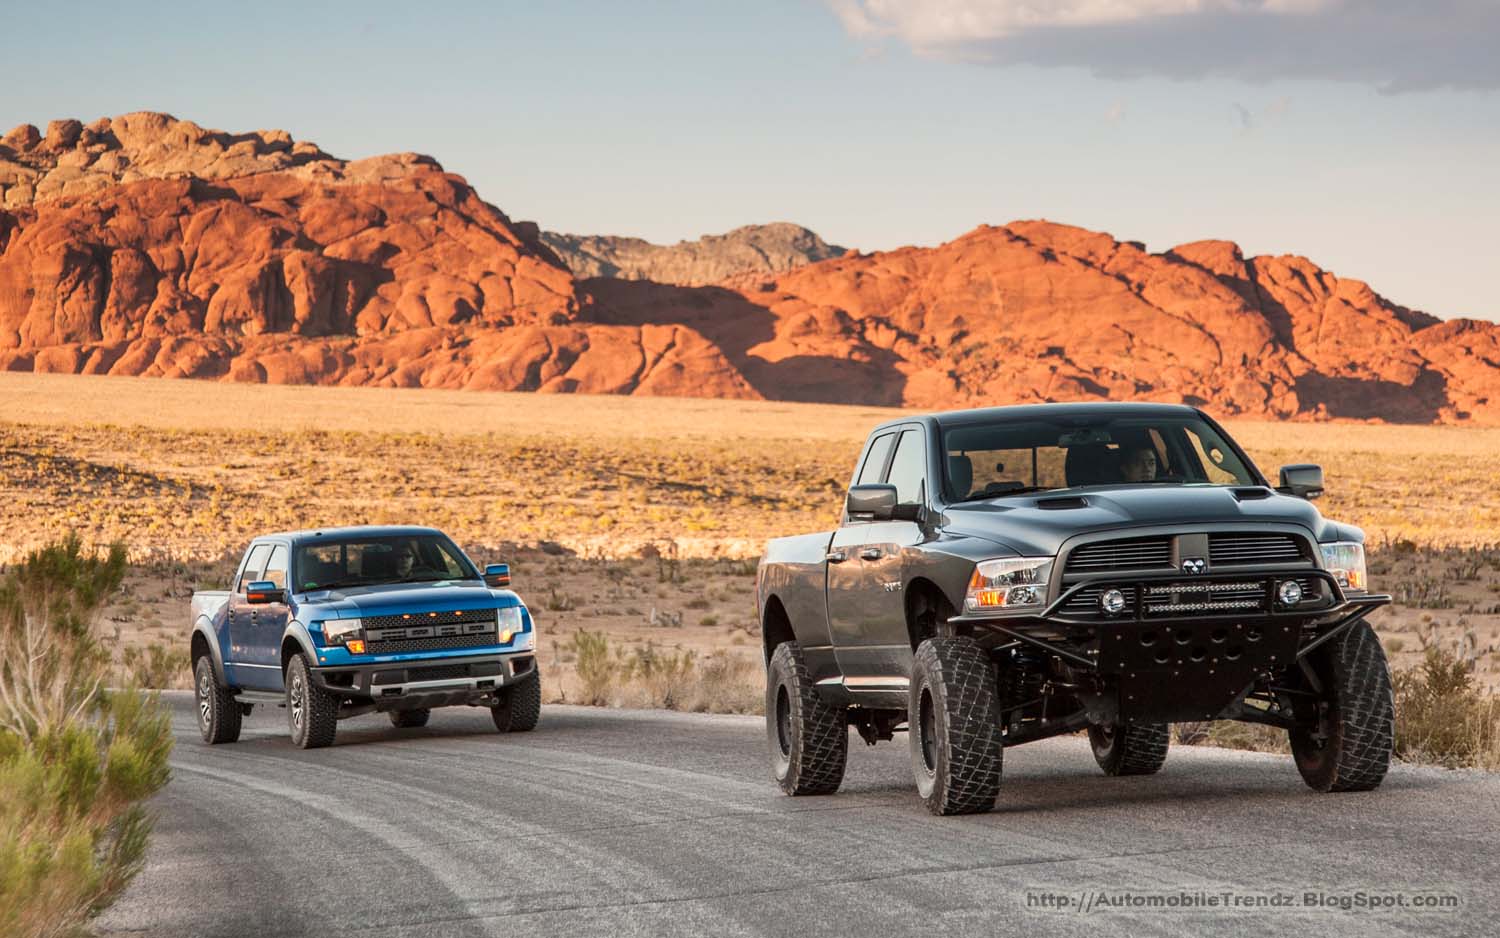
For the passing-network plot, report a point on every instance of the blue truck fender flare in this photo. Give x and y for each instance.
(298, 632)
(202, 627)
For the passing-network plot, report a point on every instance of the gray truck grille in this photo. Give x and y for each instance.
(1136, 553)
(1226, 550)
(430, 631)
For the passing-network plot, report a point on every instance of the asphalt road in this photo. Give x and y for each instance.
(643, 823)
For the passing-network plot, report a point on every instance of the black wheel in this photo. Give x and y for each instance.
(809, 737)
(218, 712)
(1346, 744)
(520, 706)
(953, 719)
(1131, 749)
(409, 719)
(311, 712)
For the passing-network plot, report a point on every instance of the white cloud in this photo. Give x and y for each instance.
(1398, 45)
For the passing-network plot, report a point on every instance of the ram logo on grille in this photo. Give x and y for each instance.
(1194, 565)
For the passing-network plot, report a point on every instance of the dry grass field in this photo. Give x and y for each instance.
(635, 519)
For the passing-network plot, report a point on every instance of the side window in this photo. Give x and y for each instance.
(276, 567)
(1219, 464)
(253, 566)
(874, 465)
(909, 468)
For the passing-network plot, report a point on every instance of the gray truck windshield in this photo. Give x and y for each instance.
(366, 561)
(1012, 457)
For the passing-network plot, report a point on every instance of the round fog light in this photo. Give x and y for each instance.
(1290, 593)
(1112, 602)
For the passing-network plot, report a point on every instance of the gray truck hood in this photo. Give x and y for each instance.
(1020, 523)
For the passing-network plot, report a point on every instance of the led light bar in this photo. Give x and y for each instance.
(1207, 607)
(1203, 588)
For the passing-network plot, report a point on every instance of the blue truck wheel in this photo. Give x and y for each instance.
(520, 706)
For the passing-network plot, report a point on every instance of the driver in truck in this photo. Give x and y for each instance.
(1139, 464)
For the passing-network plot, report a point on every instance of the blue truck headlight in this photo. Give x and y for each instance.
(1014, 581)
(341, 631)
(1346, 561)
(509, 622)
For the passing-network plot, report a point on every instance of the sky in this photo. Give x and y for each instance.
(1362, 134)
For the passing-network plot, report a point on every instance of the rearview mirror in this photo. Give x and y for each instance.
(871, 502)
(497, 575)
(1303, 480)
(261, 592)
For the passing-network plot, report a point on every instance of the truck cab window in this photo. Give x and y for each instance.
(254, 564)
(909, 468)
(869, 473)
(276, 567)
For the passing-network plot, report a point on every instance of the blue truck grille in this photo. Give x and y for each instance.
(430, 631)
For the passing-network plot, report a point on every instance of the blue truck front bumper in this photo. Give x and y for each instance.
(430, 682)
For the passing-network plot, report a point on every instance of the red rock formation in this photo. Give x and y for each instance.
(1037, 311)
(145, 245)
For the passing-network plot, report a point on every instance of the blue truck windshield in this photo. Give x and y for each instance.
(368, 561)
(1012, 457)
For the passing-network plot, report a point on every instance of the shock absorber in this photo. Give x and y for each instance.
(1021, 680)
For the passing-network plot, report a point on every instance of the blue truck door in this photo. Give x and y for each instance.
(238, 655)
(268, 623)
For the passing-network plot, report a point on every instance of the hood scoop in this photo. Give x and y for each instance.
(1251, 494)
(1062, 503)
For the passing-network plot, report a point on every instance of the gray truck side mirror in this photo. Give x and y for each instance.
(1303, 480)
(871, 502)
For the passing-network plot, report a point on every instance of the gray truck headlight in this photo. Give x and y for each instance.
(340, 631)
(511, 625)
(1346, 561)
(1005, 584)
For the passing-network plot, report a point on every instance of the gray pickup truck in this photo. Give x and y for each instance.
(1004, 575)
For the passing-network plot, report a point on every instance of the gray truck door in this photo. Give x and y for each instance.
(877, 655)
(848, 604)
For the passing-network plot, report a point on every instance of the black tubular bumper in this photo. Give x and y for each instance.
(450, 678)
(1183, 647)
(1144, 638)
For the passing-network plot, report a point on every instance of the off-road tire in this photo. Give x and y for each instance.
(1360, 719)
(409, 719)
(520, 706)
(219, 714)
(1131, 749)
(809, 738)
(312, 713)
(953, 720)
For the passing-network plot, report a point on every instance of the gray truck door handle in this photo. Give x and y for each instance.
(836, 556)
(870, 553)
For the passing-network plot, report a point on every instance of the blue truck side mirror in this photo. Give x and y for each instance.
(497, 575)
(260, 592)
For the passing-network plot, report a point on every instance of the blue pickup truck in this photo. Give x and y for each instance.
(341, 622)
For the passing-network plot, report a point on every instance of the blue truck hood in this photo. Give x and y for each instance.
(399, 598)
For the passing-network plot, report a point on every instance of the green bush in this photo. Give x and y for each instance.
(76, 759)
(596, 670)
(666, 675)
(1442, 718)
(156, 666)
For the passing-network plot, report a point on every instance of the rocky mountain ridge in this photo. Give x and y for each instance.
(146, 245)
